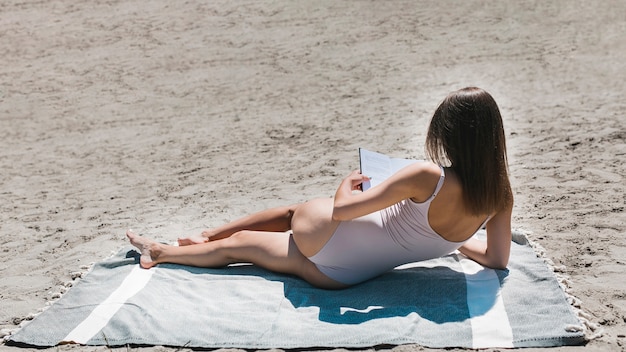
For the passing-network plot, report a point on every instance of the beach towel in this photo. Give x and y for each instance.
(445, 302)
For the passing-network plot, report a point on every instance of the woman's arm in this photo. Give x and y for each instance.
(414, 181)
(495, 252)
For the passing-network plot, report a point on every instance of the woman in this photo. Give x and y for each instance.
(424, 211)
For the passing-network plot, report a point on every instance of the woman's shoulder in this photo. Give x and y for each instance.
(425, 176)
(426, 169)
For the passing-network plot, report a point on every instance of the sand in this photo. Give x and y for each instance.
(170, 117)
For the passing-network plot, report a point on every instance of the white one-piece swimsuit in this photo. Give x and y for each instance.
(365, 247)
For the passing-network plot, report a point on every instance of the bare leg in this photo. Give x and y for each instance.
(273, 220)
(275, 251)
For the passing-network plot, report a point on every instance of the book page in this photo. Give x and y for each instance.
(398, 163)
(374, 165)
(379, 166)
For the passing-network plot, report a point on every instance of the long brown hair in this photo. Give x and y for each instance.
(466, 134)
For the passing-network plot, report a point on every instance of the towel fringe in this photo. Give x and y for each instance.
(62, 289)
(588, 327)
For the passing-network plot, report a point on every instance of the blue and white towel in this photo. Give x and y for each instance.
(446, 302)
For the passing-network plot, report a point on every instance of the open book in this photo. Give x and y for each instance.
(379, 167)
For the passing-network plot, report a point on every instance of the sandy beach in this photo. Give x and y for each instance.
(171, 117)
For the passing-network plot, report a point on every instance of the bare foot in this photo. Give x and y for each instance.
(204, 237)
(197, 239)
(150, 249)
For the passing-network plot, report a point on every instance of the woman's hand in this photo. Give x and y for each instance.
(350, 183)
(355, 180)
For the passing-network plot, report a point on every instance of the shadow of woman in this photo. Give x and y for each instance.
(436, 293)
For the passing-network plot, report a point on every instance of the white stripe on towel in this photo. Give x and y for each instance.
(490, 323)
(344, 310)
(100, 316)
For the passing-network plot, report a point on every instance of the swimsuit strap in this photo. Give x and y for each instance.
(439, 184)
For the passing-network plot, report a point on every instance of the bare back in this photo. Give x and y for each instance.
(448, 215)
